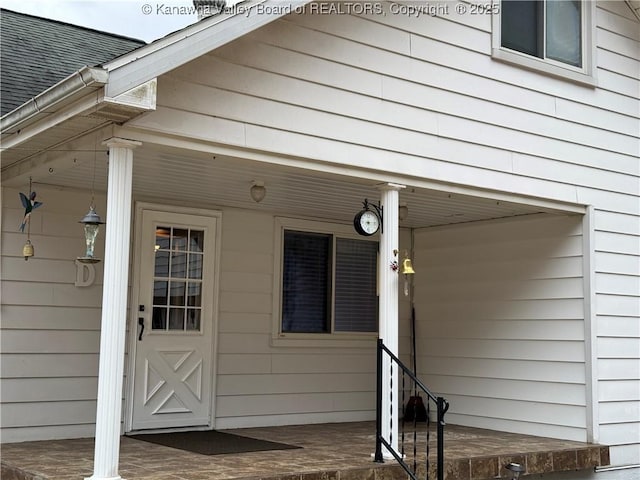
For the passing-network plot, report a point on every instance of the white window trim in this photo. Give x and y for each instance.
(586, 75)
(333, 339)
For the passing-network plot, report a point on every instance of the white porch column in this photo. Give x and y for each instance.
(389, 239)
(114, 309)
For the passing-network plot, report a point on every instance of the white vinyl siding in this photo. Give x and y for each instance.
(500, 323)
(50, 328)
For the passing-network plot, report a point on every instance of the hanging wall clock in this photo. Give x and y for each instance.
(367, 222)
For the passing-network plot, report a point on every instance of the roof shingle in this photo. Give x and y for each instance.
(36, 53)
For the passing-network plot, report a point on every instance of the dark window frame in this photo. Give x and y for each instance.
(293, 229)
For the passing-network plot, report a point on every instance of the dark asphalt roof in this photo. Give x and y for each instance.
(36, 53)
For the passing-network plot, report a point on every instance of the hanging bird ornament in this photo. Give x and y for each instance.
(30, 204)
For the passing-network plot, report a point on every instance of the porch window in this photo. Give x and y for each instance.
(328, 283)
(553, 36)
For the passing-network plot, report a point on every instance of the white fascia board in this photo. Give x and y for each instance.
(170, 52)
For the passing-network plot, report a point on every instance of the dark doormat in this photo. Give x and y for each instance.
(211, 442)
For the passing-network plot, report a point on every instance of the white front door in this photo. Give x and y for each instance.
(174, 321)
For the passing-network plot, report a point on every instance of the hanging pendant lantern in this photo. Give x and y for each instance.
(92, 222)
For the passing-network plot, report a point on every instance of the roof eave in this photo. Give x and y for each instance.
(75, 85)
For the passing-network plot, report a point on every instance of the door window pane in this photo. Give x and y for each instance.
(306, 282)
(162, 264)
(179, 239)
(193, 319)
(160, 293)
(196, 241)
(178, 265)
(159, 319)
(195, 265)
(194, 297)
(163, 238)
(177, 293)
(176, 319)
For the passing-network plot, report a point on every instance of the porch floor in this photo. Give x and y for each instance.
(330, 452)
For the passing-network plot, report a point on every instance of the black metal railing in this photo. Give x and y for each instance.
(414, 414)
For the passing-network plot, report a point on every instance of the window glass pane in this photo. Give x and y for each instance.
(195, 265)
(160, 293)
(163, 237)
(522, 26)
(356, 302)
(564, 31)
(159, 319)
(178, 265)
(179, 239)
(177, 303)
(194, 298)
(176, 319)
(196, 241)
(193, 319)
(162, 264)
(306, 282)
(177, 293)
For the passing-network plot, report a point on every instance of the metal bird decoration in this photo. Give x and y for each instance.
(29, 203)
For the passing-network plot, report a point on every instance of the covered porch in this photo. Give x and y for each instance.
(259, 376)
(216, 179)
(338, 451)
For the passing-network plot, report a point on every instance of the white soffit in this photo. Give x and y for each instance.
(213, 182)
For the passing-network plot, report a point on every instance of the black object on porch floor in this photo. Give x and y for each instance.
(211, 442)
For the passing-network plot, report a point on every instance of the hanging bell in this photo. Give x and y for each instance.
(27, 250)
(407, 268)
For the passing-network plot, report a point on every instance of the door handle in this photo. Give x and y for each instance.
(141, 324)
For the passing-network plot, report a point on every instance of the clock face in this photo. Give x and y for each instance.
(367, 222)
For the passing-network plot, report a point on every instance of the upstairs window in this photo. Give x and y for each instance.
(550, 29)
(551, 36)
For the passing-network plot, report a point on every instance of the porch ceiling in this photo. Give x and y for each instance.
(173, 176)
